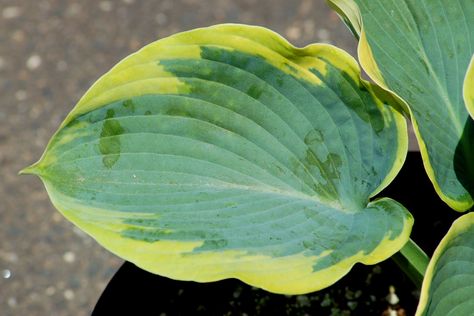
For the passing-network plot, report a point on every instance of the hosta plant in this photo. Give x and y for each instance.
(226, 152)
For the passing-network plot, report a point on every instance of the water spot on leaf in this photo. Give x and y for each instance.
(280, 81)
(255, 91)
(129, 105)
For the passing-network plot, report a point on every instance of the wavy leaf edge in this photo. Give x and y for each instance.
(243, 270)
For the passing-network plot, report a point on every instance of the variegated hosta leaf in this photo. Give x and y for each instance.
(226, 152)
(420, 50)
(448, 286)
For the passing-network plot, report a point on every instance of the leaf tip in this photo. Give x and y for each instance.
(33, 169)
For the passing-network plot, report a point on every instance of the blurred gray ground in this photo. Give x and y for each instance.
(51, 51)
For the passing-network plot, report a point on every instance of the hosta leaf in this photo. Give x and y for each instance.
(226, 152)
(420, 50)
(449, 280)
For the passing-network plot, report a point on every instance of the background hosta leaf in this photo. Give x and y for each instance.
(449, 280)
(420, 50)
(226, 152)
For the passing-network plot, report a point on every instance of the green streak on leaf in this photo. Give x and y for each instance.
(145, 234)
(177, 112)
(314, 137)
(109, 145)
(213, 244)
(331, 165)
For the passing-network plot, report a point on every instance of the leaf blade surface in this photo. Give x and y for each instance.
(226, 152)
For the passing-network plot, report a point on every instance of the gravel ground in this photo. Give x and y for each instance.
(51, 51)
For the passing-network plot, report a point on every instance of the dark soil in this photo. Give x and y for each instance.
(362, 292)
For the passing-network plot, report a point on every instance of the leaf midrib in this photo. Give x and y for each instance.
(223, 184)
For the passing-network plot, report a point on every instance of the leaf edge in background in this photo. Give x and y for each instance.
(349, 12)
(461, 225)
